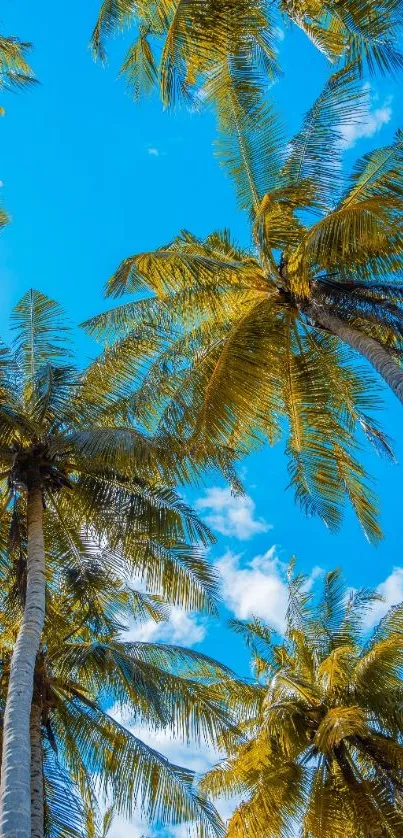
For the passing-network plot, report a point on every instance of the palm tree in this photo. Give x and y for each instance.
(321, 751)
(79, 480)
(180, 45)
(235, 342)
(79, 750)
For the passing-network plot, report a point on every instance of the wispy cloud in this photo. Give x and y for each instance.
(153, 152)
(231, 515)
(181, 627)
(279, 33)
(376, 116)
(391, 591)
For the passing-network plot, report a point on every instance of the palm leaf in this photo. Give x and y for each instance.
(315, 153)
(250, 134)
(41, 333)
(15, 71)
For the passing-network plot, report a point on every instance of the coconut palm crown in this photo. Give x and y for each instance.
(79, 482)
(180, 45)
(242, 345)
(321, 752)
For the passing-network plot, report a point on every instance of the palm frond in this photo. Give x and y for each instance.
(314, 155)
(250, 134)
(112, 14)
(362, 223)
(139, 67)
(41, 333)
(64, 811)
(15, 71)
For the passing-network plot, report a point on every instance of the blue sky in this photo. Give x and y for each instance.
(89, 178)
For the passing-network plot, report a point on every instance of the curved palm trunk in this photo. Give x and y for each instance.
(369, 348)
(37, 794)
(15, 803)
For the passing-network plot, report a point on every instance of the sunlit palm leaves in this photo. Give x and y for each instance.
(324, 749)
(181, 44)
(232, 348)
(15, 71)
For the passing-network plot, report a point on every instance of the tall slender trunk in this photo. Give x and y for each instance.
(368, 347)
(37, 791)
(15, 803)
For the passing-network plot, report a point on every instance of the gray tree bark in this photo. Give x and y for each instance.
(37, 790)
(368, 347)
(15, 800)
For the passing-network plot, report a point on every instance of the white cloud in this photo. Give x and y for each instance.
(391, 589)
(370, 123)
(258, 588)
(153, 152)
(231, 515)
(180, 628)
(279, 33)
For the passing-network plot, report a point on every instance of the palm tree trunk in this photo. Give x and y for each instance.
(368, 347)
(37, 796)
(15, 802)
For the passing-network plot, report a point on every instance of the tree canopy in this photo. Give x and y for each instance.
(232, 345)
